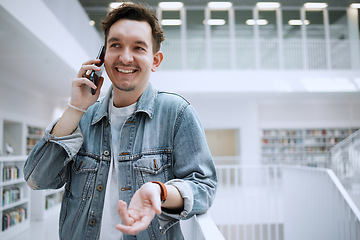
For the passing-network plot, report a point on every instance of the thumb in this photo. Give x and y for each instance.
(156, 203)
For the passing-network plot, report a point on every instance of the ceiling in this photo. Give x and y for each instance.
(24, 60)
(30, 64)
(97, 9)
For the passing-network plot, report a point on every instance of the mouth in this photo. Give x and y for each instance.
(125, 71)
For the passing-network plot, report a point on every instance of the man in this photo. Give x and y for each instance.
(114, 155)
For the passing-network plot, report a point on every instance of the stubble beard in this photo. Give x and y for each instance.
(128, 89)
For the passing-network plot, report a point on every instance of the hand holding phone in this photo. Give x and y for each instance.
(96, 75)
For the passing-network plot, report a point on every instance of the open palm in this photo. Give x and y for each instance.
(142, 208)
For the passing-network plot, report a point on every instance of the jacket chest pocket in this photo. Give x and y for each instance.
(152, 168)
(83, 176)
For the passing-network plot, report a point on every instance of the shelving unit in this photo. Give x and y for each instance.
(15, 204)
(311, 147)
(34, 134)
(19, 202)
(44, 201)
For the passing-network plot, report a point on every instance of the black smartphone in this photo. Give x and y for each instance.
(96, 75)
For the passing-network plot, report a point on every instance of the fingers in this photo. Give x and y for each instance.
(137, 227)
(87, 67)
(123, 213)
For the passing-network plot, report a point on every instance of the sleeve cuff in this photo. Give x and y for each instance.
(167, 218)
(71, 143)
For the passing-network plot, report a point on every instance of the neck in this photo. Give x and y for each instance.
(125, 98)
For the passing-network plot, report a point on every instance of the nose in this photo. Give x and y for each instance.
(126, 56)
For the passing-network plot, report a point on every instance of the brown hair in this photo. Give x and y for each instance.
(137, 12)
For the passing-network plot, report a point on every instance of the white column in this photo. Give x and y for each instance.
(256, 38)
(183, 38)
(232, 38)
(353, 28)
(279, 24)
(208, 38)
(304, 39)
(327, 38)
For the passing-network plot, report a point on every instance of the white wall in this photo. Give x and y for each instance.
(251, 113)
(316, 114)
(17, 103)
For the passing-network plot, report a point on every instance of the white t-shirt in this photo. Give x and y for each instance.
(110, 217)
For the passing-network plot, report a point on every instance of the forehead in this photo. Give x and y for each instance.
(126, 29)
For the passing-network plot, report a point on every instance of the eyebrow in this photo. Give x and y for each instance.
(115, 39)
(142, 43)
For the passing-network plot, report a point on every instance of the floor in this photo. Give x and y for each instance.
(46, 229)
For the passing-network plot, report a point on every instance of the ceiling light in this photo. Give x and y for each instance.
(298, 22)
(171, 5)
(268, 5)
(115, 4)
(315, 6)
(219, 5)
(258, 22)
(215, 22)
(92, 22)
(171, 22)
(355, 5)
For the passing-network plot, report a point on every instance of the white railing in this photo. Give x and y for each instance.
(345, 160)
(200, 227)
(283, 203)
(217, 54)
(317, 206)
(248, 202)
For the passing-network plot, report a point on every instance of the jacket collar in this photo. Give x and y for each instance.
(145, 104)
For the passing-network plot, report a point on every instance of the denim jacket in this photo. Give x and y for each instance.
(162, 141)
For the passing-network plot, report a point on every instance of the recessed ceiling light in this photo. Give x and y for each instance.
(171, 5)
(298, 22)
(115, 4)
(215, 22)
(258, 22)
(171, 22)
(92, 22)
(315, 6)
(219, 5)
(355, 5)
(268, 5)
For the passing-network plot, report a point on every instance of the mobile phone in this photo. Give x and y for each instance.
(96, 75)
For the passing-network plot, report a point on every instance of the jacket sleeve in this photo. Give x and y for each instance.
(47, 163)
(194, 169)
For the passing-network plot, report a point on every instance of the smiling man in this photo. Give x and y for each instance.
(134, 162)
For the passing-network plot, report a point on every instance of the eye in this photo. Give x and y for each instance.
(140, 48)
(115, 45)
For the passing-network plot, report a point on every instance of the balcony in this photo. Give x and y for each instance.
(291, 54)
(281, 203)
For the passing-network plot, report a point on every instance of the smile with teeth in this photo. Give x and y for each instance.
(127, 71)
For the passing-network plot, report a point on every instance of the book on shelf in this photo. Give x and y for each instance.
(12, 195)
(10, 173)
(13, 217)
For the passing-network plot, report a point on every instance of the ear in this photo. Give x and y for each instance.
(158, 57)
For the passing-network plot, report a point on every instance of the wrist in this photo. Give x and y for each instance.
(163, 191)
(76, 108)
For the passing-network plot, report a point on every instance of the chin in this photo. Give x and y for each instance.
(125, 88)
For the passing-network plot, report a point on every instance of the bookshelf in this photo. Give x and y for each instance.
(44, 201)
(305, 146)
(19, 202)
(15, 204)
(34, 134)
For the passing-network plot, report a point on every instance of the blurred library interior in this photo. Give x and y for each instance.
(275, 84)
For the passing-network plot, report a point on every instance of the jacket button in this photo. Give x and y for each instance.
(92, 222)
(106, 153)
(100, 188)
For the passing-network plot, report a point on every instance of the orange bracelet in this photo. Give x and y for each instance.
(163, 194)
